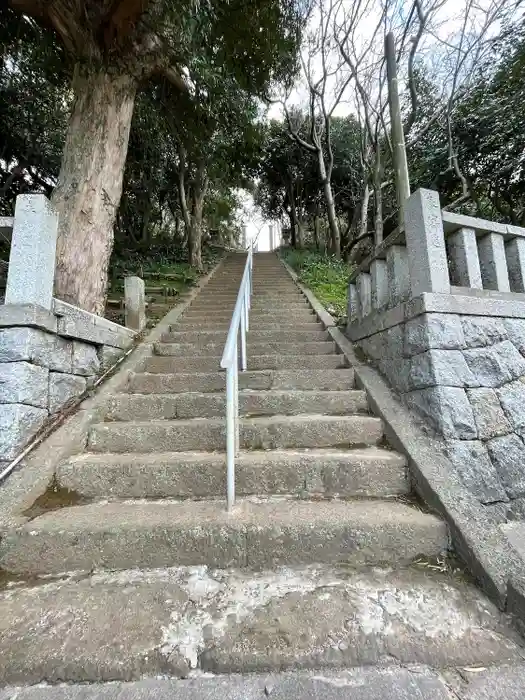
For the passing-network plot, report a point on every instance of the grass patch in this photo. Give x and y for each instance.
(325, 275)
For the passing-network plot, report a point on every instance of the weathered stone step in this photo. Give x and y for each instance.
(321, 347)
(366, 472)
(223, 307)
(382, 682)
(211, 324)
(206, 364)
(280, 315)
(323, 379)
(264, 433)
(258, 296)
(155, 625)
(261, 533)
(204, 337)
(126, 407)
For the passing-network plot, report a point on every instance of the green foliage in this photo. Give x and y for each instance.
(325, 275)
(34, 106)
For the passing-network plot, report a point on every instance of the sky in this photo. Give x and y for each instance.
(438, 48)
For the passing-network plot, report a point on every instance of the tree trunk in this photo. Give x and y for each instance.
(195, 228)
(90, 184)
(293, 217)
(330, 207)
(316, 230)
(399, 153)
(332, 219)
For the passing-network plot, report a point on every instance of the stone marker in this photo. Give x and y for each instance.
(135, 300)
(425, 239)
(33, 248)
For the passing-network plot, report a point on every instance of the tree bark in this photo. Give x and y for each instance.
(90, 184)
(335, 234)
(399, 153)
(195, 228)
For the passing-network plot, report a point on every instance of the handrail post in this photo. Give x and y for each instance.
(230, 436)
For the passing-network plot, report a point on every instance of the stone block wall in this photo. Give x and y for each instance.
(465, 375)
(47, 360)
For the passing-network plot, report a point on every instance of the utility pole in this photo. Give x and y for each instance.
(399, 152)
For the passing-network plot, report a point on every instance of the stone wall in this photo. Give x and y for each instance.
(47, 360)
(466, 376)
(439, 308)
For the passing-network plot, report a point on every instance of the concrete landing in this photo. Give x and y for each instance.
(127, 625)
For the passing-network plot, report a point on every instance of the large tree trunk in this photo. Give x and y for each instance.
(90, 184)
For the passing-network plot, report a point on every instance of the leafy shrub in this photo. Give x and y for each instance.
(324, 274)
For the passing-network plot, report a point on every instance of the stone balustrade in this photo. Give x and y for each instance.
(439, 308)
(438, 252)
(50, 352)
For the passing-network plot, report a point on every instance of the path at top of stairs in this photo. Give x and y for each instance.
(325, 562)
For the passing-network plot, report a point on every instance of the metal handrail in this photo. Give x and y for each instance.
(230, 362)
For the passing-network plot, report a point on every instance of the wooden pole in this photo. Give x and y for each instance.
(399, 152)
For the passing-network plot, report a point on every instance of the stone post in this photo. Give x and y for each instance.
(515, 253)
(493, 262)
(31, 271)
(464, 259)
(353, 303)
(397, 275)
(364, 290)
(135, 301)
(272, 241)
(379, 279)
(425, 239)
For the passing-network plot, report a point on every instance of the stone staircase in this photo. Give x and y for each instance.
(316, 561)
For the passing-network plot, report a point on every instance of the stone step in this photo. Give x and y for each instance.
(258, 296)
(263, 308)
(322, 379)
(280, 316)
(381, 682)
(126, 407)
(211, 324)
(204, 337)
(206, 364)
(367, 472)
(321, 347)
(260, 534)
(209, 434)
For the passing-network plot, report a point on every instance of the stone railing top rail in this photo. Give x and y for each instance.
(452, 222)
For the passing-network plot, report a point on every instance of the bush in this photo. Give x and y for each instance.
(325, 275)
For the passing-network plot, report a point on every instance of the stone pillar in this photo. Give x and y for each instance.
(398, 279)
(493, 262)
(31, 271)
(379, 281)
(425, 239)
(135, 302)
(515, 253)
(272, 241)
(352, 303)
(244, 241)
(465, 270)
(364, 291)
